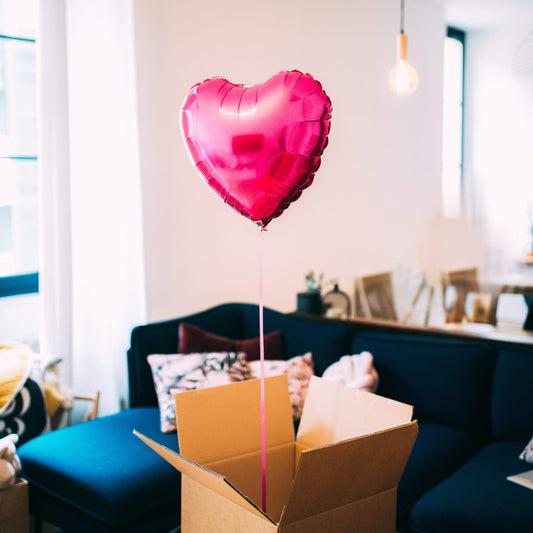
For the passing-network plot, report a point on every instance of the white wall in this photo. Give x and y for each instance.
(499, 138)
(379, 183)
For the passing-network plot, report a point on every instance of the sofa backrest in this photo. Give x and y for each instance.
(512, 395)
(328, 341)
(467, 384)
(448, 381)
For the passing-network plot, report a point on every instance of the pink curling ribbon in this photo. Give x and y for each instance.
(262, 357)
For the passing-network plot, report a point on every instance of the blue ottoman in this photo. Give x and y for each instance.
(97, 476)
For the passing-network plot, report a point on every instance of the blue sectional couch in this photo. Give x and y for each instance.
(472, 398)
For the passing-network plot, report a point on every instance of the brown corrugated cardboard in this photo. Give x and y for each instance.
(340, 474)
(14, 516)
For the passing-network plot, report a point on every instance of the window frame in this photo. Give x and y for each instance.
(456, 208)
(460, 35)
(26, 283)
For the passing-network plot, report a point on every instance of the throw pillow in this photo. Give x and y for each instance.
(16, 360)
(175, 373)
(193, 339)
(22, 408)
(26, 414)
(299, 370)
(356, 371)
(527, 453)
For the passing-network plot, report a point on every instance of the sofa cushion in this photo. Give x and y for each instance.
(101, 468)
(478, 497)
(356, 371)
(176, 373)
(512, 404)
(438, 452)
(527, 452)
(162, 337)
(194, 339)
(447, 381)
(299, 370)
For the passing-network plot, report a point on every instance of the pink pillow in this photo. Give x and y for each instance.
(356, 371)
(175, 373)
(192, 339)
(299, 370)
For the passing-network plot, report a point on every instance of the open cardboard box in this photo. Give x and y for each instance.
(341, 473)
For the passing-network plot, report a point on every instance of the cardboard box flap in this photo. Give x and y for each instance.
(225, 421)
(338, 474)
(204, 476)
(333, 413)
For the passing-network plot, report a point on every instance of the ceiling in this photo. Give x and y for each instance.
(480, 14)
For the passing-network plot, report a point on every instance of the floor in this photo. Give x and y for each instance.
(49, 528)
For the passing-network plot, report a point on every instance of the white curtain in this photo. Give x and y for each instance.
(92, 266)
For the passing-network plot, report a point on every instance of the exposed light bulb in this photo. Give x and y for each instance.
(403, 78)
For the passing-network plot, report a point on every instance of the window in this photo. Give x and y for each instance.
(452, 134)
(19, 246)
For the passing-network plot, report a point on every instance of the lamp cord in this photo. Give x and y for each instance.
(401, 16)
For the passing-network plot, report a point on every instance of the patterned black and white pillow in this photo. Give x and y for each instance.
(175, 373)
(25, 414)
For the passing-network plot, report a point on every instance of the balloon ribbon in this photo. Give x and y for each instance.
(262, 356)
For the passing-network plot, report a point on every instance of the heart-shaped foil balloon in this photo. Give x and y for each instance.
(257, 146)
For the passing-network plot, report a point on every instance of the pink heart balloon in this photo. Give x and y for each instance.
(257, 146)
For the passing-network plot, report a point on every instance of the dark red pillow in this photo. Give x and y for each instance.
(194, 340)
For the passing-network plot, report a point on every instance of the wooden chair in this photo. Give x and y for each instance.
(91, 411)
(374, 297)
(64, 416)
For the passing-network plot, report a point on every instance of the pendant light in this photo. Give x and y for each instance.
(403, 78)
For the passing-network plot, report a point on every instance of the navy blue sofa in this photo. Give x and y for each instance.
(472, 398)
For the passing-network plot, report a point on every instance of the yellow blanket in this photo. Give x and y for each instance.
(16, 361)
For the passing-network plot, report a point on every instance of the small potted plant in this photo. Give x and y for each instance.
(310, 302)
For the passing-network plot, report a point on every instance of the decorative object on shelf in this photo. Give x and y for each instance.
(528, 252)
(374, 297)
(310, 302)
(523, 55)
(312, 283)
(336, 303)
(403, 78)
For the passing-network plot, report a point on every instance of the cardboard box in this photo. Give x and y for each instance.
(341, 473)
(14, 517)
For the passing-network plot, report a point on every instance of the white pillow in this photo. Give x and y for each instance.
(356, 371)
